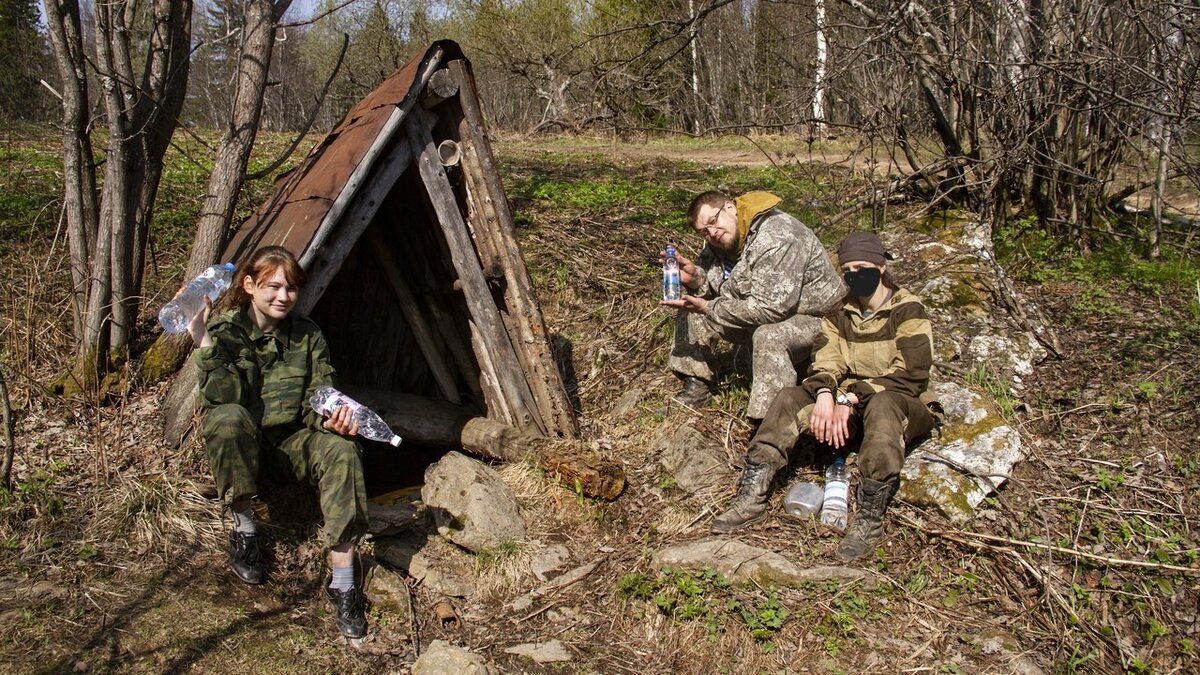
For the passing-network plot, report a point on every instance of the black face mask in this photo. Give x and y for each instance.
(863, 282)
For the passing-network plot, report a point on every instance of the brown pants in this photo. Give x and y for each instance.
(890, 421)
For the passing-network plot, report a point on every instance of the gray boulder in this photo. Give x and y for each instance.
(443, 658)
(973, 456)
(741, 562)
(471, 505)
(694, 459)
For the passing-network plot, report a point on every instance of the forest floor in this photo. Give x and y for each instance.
(111, 545)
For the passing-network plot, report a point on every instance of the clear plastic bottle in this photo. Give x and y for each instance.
(835, 506)
(179, 312)
(804, 499)
(371, 426)
(670, 283)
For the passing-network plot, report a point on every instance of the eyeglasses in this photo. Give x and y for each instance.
(710, 223)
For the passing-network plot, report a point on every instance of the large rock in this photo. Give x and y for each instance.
(471, 505)
(973, 456)
(694, 459)
(741, 562)
(420, 559)
(443, 658)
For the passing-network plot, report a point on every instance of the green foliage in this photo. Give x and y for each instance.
(707, 596)
(997, 387)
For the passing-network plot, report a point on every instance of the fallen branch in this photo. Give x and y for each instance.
(987, 539)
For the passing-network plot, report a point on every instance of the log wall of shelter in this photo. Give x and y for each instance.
(415, 274)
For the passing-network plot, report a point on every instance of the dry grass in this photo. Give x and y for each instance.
(128, 528)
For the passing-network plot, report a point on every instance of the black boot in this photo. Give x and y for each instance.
(750, 504)
(867, 528)
(245, 558)
(349, 609)
(695, 393)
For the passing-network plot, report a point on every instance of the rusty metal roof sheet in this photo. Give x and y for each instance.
(305, 196)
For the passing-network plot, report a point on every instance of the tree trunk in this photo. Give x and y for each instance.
(229, 170)
(107, 257)
(79, 173)
(818, 101)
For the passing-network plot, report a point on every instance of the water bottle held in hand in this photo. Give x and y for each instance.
(179, 312)
(670, 283)
(835, 506)
(371, 426)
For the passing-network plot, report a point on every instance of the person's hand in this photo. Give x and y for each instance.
(198, 328)
(342, 422)
(828, 420)
(689, 275)
(688, 302)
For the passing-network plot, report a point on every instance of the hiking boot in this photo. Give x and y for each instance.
(245, 558)
(867, 529)
(350, 611)
(695, 393)
(750, 504)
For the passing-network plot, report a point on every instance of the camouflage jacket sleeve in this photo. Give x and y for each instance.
(829, 360)
(708, 266)
(322, 373)
(223, 367)
(783, 271)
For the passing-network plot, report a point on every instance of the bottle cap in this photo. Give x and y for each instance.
(228, 267)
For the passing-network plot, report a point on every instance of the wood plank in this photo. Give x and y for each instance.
(412, 313)
(323, 263)
(479, 166)
(364, 169)
(495, 342)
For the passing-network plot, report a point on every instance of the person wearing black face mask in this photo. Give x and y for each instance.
(870, 369)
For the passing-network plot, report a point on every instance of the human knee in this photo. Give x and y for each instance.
(770, 336)
(228, 421)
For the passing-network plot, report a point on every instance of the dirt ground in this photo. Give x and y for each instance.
(111, 552)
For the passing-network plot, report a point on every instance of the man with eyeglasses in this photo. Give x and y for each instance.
(763, 279)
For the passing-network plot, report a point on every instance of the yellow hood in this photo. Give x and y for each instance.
(749, 206)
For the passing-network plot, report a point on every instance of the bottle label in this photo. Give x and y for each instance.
(336, 401)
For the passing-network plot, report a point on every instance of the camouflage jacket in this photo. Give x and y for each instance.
(270, 374)
(783, 270)
(891, 350)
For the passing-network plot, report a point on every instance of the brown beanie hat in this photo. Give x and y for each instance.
(862, 246)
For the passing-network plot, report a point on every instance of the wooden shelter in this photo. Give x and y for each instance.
(415, 275)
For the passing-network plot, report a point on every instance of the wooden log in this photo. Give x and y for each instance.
(487, 196)
(569, 461)
(419, 420)
(438, 424)
(500, 351)
(412, 313)
(440, 87)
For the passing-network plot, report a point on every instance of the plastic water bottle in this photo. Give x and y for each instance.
(671, 289)
(371, 426)
(804, 499)
(835, 508)
(179, 312)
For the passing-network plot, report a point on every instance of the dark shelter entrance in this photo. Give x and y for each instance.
(418, 283)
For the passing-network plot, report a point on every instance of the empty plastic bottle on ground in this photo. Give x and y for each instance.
(179, 312)
(834, 508)
(804, 499)
(371, 426)
(671, 290)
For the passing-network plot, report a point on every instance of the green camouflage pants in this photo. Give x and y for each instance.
(890, 421)
(778, 351)
(237, 452)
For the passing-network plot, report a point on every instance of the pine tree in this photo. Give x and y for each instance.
(22, 58)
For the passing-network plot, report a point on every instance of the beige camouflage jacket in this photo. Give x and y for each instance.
(783, 270)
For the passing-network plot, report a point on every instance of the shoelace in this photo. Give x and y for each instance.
(246, 548)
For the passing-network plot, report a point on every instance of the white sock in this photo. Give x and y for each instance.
(343, 578)
(244, 522)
